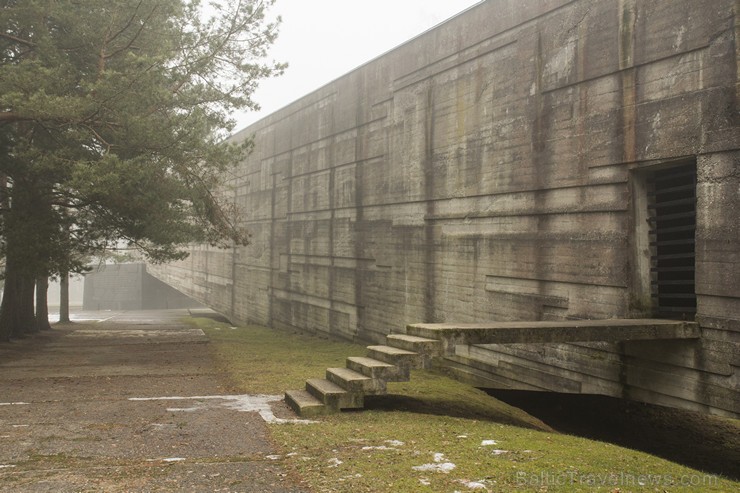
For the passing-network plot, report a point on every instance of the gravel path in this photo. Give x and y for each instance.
(130, 401)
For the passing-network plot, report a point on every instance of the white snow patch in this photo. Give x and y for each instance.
(486, 443)
(444, 467)
(474, 485)
(273, 457)
(162, 425)
(462, 436)
(244, 403)
(168, 459)
(334, 462)
(425, 481)
(438, 466)
(499, 452)
(260, 404)
(393, 444)
(183, 409)
(21, 426)
(5, 466)
(14, 404)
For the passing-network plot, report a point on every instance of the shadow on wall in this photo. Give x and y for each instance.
(130, 287)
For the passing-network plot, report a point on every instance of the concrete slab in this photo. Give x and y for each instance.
(97, 406)
(610, 330)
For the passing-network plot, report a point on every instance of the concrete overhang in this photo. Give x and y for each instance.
(610, 330)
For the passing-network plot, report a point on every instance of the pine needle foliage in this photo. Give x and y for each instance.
(113, 118)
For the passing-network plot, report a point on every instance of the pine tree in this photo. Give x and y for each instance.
(113, 115)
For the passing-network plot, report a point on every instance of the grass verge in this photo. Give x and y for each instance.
(430, 434)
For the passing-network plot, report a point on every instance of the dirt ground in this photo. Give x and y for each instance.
(130, 402)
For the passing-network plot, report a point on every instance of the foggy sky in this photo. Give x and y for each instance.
(325, 39)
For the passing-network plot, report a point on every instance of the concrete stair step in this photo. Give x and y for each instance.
(400, 357)
(333, 396)
(345, 388)
(378, 370)
(353, 381)
(304, 404)
(429, 348)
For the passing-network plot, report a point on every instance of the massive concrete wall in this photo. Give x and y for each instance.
(129, 287)
(493, 168)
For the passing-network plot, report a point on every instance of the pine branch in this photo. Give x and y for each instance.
(17, 40)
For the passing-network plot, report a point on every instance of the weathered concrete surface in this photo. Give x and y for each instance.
(129, 287)
(612, 330)
(496, 168)
(72, 418)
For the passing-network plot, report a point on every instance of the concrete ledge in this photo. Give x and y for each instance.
(610, 330)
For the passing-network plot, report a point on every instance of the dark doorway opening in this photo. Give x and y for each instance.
(672, 220)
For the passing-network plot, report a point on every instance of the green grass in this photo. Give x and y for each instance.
(376, 450)
(265, 361)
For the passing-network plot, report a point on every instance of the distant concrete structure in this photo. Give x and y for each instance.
(76, 291)
(130, 287)
(526, 160)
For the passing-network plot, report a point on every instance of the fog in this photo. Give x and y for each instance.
(324, 39)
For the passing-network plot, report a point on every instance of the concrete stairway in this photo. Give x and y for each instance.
(346, 388)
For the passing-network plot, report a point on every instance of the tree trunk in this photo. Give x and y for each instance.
(8, 322)
(26, 228)
(5, 330)
(64, 298)
(27, 312)
(42, 308)
(10, 308)
(6, 327)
